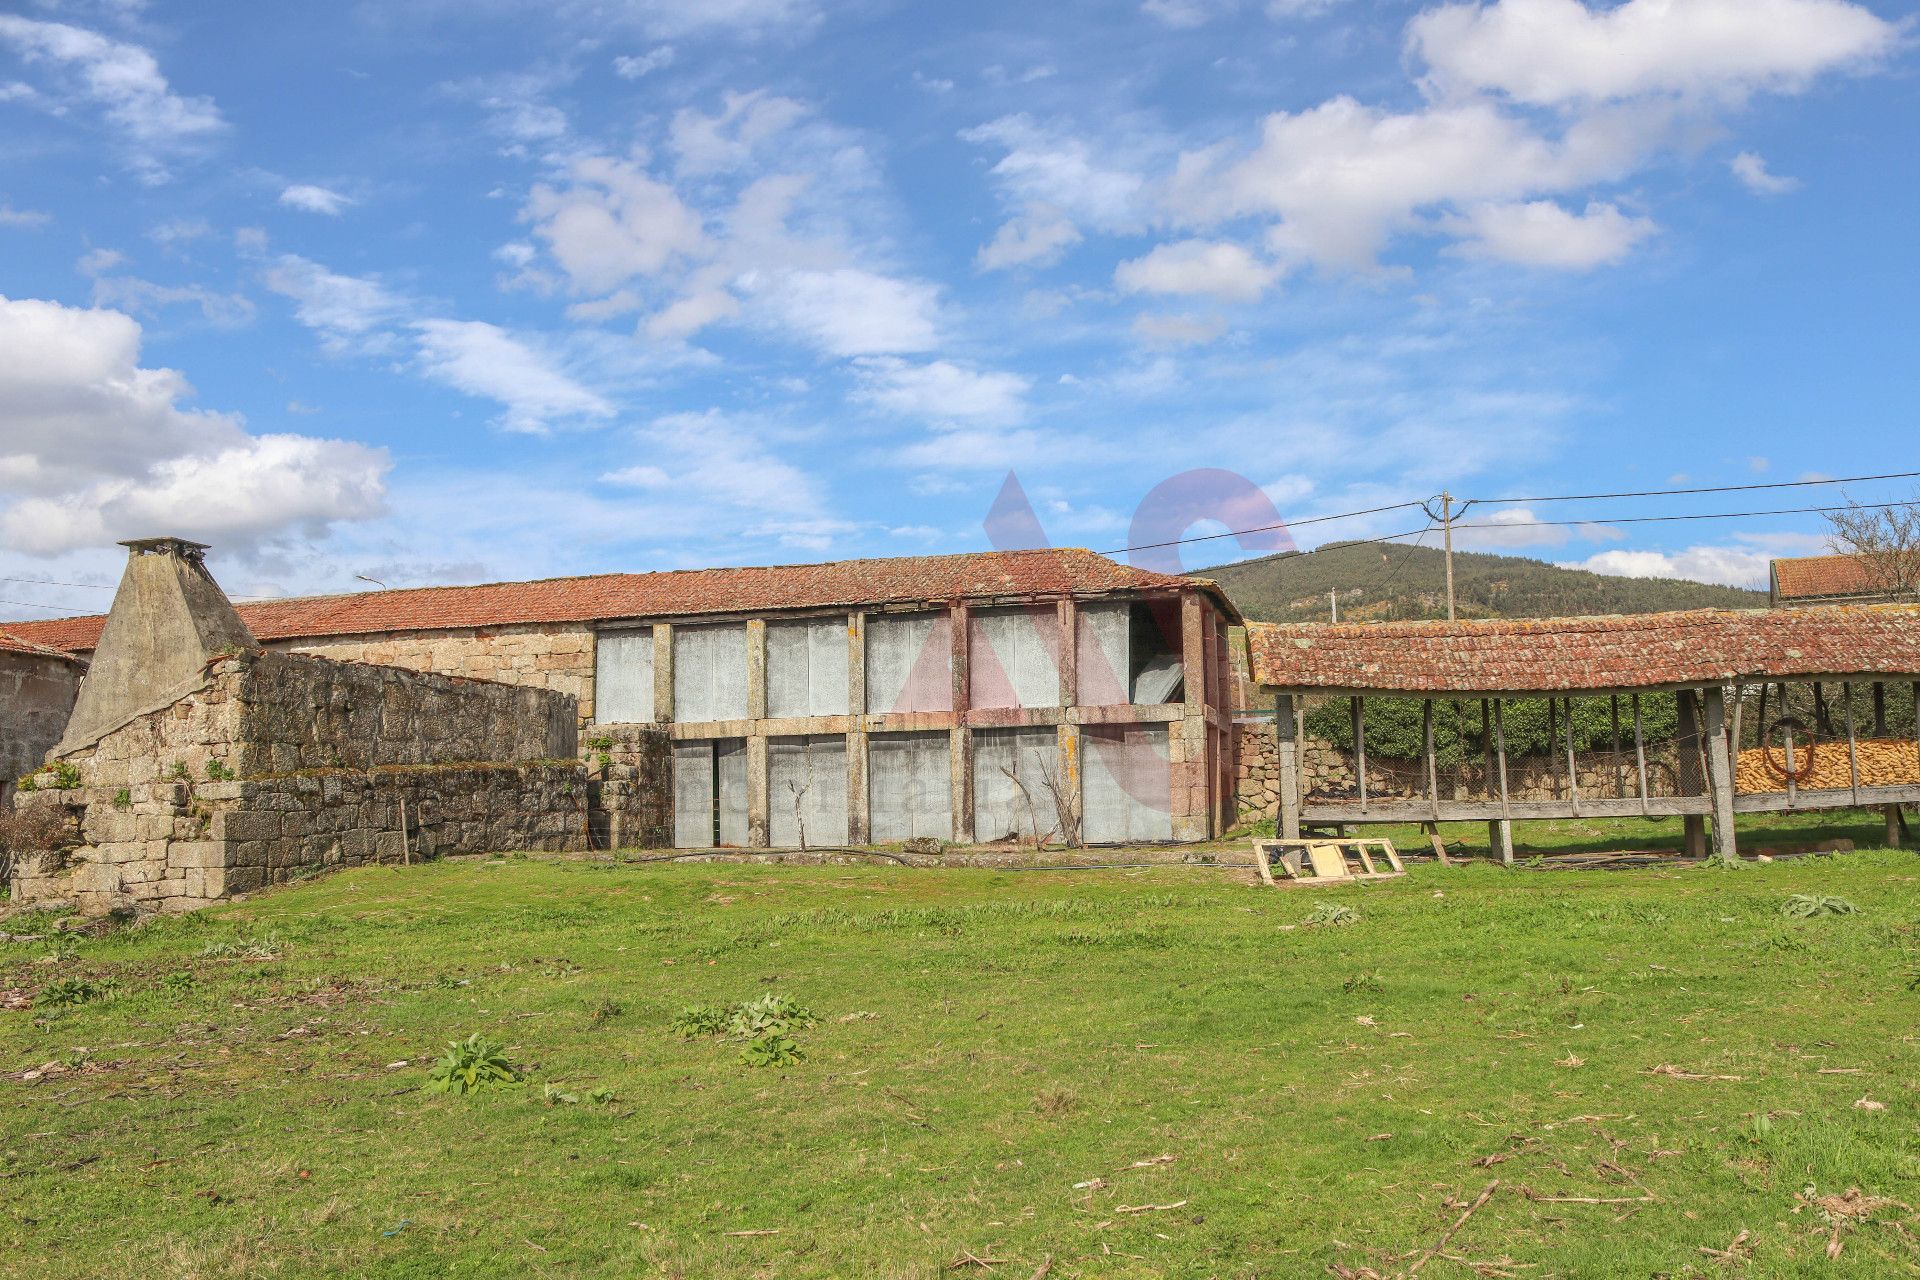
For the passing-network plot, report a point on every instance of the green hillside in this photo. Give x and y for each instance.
(1380, 582)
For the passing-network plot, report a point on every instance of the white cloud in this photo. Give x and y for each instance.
(612, 222)
(125, 83)
(1178, 331)
(24, 218)
(1731, 566)
(95, 447)
(667, 19)
(849, 311)
(1037, 238)
(1047, 167)
(1561, 52)
(1752, 171)
(350, 313)
(715, 461)
(485, 360)
(1205, 268)
(941, 390)
(1539, 233)
(1508, 527)
(315, 199)
(517, 108)
(223, 310)
(633, 67)
(727, 139)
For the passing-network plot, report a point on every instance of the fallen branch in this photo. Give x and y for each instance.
(1668, 1069)
(968, 1258)
(1537, 1198)
(1458, 1223)
(1150, 1208)
(771, 1231)
(1044, 1270)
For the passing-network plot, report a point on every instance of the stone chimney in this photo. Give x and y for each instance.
(169, 619)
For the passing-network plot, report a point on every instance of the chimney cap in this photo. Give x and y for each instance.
(182, 547)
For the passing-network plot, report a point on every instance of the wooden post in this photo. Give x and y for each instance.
(1501, 828)
(1892, 814)
(1793, 765)
(1360, 749)
(1486, 749)
(1733, 735)
(1433, 769)
(1640, 753)
(1720, 775)
(1553, 736)
(1853, 743)
(1289, 752)
(1573, 769)
(1619, 772)
(1693, 824)
(1879, 709)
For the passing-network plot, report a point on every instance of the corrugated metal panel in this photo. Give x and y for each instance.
(1000, 811)
(692, 795)
(730, 754)
(909, 662)
(807, 779)
(1128, 784)
(1015, 658)
(807, 668)
(709, 673)
(623, 677)
(909, 787)
(1105, 655)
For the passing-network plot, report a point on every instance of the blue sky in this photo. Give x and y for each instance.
(434, 291)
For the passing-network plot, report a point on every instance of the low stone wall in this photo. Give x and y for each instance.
(281, 763)
(175, 846)
(630, 780)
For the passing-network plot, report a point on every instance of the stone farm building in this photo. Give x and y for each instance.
(962, 697)
(37, 688)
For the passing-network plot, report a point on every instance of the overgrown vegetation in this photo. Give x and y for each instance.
(1805, 906)
(1651, 1063)
(473, 1065)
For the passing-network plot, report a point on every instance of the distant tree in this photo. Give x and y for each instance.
(1886, 539)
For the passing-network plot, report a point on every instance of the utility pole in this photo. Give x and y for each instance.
(1446, 520)
(1333, 604)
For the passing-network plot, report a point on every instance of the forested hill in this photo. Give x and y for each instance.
(1380, 582)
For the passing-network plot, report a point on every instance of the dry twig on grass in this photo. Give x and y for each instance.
(1678, 1073)
(1478, 1202)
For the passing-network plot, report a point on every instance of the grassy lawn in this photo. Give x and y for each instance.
(1155, 1073)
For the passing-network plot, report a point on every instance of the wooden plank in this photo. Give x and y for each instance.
(1720, 775)
(1261, 851)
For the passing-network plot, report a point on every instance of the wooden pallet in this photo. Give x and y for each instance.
(1320, 861)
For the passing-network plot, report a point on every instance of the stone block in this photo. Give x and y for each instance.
(244, 824)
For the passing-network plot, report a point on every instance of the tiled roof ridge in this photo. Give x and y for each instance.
(11, 643)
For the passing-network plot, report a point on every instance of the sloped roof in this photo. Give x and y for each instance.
(10, 643)
(679, 593)
(1576, 655)
(1822, 577)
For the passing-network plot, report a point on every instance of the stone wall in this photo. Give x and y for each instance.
(36, 697)
(630, 786)
(281, 764)
(556, 656)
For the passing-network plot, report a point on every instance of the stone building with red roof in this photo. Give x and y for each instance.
(38, 684)
(964, 698)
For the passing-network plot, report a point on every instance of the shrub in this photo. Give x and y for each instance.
(1327, 913)
(473, 1064)
(1805, 906)
(30, 830)
(699, 1020)
(67, 992)
(776, 1050)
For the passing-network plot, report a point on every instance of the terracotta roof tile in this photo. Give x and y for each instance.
(10, 643)
(1822, 577)
(680, 593)
(1568, 655)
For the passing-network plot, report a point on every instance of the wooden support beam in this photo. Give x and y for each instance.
(1879, 709)
(1892, 814)
(1486, 748)
(1500, 751)
(1720, 775)
(1288, 750)
(1619, 770)
(1433, 767)
(1640, 750)
(1360, 749)
(1739, 708)
(1573, 767)
(1853, 744)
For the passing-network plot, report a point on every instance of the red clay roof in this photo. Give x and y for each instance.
(681, 593)
(1823, 577)
(10, 643)
(1570, 655)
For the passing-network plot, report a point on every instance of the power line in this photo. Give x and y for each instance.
(1724, 488)
(1701, 515)
(48, 582)
(30, 604)
(1261, 528)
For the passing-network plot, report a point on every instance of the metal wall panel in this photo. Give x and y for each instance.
(709, 673)
(692, 795)
(909, 662)
(1014, 659)
(623, 677)
(807, 780)
(807, 667)
(909, 787)
(1105, 660)
(1000, 811)
(1127, 784)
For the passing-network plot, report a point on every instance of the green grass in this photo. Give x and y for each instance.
(1002, 1064)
